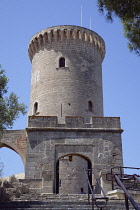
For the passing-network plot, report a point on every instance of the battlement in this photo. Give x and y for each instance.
(74, 122)
(67, 34)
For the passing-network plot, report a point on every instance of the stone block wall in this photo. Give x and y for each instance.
(98, 142)
(66, 91)
(71, 175)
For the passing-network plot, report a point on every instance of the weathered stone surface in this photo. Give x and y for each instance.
(12, 179)
(49, 145)
(66, 129)
(17, 141)
(6, 184)
(3, 195)
(66, 91)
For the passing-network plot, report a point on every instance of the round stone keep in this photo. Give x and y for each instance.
(66, 72)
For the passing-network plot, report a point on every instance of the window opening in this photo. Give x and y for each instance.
(90, 106)
(61, 110)
(62, 62)
(35, 108)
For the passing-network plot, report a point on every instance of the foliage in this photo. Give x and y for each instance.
(132, 32)
(128, 11)
(124, 9)
(10, 109)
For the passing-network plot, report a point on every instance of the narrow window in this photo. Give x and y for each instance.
(90, 106)
(52, 34)
(35, 108)
(62, 62)
(61, 110)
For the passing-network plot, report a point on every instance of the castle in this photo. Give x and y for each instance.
(67, 130)
(66, 112)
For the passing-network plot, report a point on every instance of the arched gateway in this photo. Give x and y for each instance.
(70, 174)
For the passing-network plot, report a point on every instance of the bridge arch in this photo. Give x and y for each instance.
(11, 161)
(15, 140)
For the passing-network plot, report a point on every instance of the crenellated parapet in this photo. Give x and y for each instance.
(69, 34)
(108, 124)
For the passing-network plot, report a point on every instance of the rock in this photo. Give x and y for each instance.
(23, 189)
(6, 184)
(12, 179)
(3, 195)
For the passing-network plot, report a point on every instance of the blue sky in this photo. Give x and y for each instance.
(21, 19)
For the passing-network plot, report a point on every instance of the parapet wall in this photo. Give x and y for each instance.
(65, 34)
(74, 122)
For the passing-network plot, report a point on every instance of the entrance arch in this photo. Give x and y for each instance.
(15, 140)
(11, 161)
(70, 175)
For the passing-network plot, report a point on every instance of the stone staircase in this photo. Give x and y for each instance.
(55, 205)
(60, 202)
(47, 205)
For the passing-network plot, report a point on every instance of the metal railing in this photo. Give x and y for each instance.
(95, 200)
(125, 182)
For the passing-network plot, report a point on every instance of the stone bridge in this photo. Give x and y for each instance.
(17, 141)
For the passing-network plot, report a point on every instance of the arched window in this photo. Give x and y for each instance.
(90, 106)
(35, 108)
(62, 62)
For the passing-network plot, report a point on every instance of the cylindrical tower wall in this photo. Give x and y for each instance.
(66, 72)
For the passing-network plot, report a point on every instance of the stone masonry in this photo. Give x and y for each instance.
(66, 129)
(66, 91)
(97, 142)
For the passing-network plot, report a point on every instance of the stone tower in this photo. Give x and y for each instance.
(66, 72)
(66, 130)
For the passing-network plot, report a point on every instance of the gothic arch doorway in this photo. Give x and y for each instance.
(70, 175)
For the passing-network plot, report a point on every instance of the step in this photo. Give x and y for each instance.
(54, 205)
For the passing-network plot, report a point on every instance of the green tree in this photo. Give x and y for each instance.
(10, 109)
(128, 11)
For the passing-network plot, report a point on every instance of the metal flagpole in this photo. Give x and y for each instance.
(81, 15)
(90, 22)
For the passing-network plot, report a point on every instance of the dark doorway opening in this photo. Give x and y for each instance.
(59, 183)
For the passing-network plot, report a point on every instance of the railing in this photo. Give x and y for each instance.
(104, 198)
(126, 177)
(125, 182)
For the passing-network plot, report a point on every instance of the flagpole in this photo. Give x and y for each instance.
(90, 22)
(81, 15)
